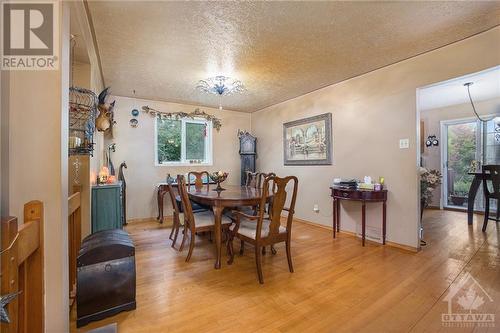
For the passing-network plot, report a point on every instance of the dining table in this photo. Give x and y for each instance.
(478, 179)
(232, 196)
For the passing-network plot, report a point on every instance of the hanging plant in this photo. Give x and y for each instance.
(197, 113)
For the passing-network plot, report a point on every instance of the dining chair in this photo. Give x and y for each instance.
(251, 178)
(263, 230)
(196, 207)
(256, 180)
(177, 215)
(198, 179)
(491, 173)
(199, 222)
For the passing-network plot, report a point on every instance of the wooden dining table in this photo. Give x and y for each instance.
(232, 197)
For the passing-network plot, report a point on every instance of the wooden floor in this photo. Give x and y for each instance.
(338, 286)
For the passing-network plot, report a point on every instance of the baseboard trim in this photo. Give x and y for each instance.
(167, 220)
(353, 234)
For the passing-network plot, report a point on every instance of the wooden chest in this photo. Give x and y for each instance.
(105, 276)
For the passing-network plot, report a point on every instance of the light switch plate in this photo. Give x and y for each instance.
(404, 143)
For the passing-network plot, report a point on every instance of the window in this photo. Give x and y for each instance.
(183, 141)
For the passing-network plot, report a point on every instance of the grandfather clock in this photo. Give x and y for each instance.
(248, 153)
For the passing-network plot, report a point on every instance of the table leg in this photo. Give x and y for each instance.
(162, 196)
(363, 223)
(218, 234)
(471, 198)
(384, 217)
(158, 202)
(334, 217)
(337, 211)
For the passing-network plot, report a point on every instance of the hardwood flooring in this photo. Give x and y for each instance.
(338, 286)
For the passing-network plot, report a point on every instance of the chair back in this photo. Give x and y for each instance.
(186, 203)
(252, 179)
(491, 172)
(262, 176)
(256, 179)
(198, 179)
(171, 194)
(280, 189)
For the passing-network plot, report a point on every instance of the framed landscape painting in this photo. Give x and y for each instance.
(308, 141)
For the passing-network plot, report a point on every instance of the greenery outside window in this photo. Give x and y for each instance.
(183, 141)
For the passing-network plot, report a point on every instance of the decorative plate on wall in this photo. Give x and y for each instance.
(135, 112)
(133, 122)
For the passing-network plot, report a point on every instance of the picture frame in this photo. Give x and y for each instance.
(308, 141)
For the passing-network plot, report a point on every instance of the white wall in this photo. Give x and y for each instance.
(136, 147)
(370, 114)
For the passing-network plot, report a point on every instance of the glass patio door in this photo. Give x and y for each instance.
(464, 142)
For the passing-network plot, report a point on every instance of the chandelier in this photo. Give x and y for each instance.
(220, 85)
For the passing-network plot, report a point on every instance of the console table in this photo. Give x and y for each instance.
(342, 193)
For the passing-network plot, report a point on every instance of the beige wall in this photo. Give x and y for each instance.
(136, 147)
(370, 114)
(38, 151)
(431, 156)
(81, 75)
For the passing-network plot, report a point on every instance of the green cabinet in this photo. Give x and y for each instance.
(106, 207)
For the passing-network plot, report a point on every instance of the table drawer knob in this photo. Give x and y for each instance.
(345, 194)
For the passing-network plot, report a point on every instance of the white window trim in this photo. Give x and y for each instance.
(183, 162)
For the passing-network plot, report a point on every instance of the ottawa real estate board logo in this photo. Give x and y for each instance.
(29, 35)
(468, 305)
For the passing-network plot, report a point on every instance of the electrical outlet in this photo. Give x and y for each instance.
(316, 208)
(404, 143)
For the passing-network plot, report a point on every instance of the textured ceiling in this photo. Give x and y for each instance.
(279, 50)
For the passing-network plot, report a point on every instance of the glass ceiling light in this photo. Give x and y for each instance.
(220, 85)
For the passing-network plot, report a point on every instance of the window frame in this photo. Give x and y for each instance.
(183, 162)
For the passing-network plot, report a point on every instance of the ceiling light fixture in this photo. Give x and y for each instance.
(220, 85)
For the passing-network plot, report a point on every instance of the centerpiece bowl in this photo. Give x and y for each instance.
(219, 177)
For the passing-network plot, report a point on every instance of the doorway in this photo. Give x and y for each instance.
(467, 144)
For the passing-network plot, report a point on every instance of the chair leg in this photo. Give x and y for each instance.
(259, 264)
(210, 236)
(184, 235)
(242, 247)
(498, 210)
(289, 256)
(486, 213)
(230, 249)
(175, 236)
(175, 226)
(263, 250)
(172, 231)
(191, 246)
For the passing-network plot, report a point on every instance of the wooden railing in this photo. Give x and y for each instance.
(22, 270)
(74, 240)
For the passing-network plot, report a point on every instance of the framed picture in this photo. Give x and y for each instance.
(308, 141)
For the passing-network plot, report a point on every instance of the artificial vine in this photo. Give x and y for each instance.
(197, 113)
